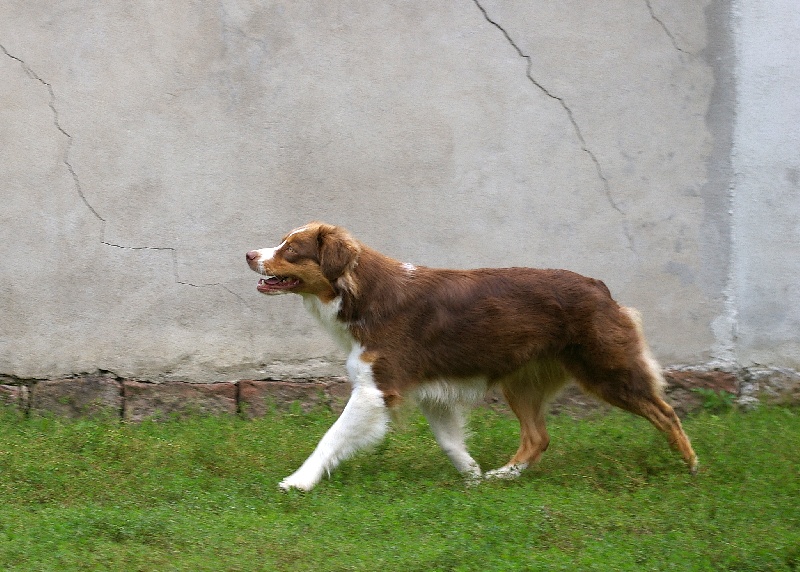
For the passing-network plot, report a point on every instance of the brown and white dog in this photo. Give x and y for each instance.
(442, 337)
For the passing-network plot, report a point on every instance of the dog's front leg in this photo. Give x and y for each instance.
(363, 422)
(447, 421)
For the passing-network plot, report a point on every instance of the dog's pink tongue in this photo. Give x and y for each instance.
(264, 285)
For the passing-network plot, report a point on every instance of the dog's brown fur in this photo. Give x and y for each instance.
(525, 330)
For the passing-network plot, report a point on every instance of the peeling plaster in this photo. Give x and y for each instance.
(78, 188)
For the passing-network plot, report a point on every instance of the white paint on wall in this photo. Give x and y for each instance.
(766, 185)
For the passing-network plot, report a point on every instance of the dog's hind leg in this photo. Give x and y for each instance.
(635, 383)
(631, 391)
(448, 422)
(363, 422)
(528, 392)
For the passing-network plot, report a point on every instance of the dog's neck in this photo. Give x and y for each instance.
(377, 283)
(362, 296)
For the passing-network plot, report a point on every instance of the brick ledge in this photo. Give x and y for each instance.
(105, 395)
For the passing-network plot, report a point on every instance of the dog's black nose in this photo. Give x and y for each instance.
(252, 255)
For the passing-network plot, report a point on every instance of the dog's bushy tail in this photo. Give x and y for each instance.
(653, 368)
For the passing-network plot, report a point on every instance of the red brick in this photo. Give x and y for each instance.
(14, 396)
(89, 396)
(680, 384)
(159, 400)
(256, 396)
(338, 391)
(707, 379)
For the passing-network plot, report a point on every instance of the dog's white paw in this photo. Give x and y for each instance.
(506, 473)
(297, 482)
(472, 476)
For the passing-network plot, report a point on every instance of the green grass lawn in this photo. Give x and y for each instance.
(201, 494)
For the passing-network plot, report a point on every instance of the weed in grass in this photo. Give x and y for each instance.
(200, 494)
(716, 401)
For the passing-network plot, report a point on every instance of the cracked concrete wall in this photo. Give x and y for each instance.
(145, 147)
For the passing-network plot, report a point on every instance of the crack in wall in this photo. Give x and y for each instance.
(79, 189)
(52, 104)
(570, 115)
(661, 23)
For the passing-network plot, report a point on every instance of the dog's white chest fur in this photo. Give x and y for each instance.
(326, 313)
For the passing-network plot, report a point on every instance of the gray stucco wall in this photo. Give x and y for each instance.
(144, 147)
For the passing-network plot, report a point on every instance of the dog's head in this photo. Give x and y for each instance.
(312, 259)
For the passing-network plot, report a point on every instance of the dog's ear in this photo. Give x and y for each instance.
(338, 251)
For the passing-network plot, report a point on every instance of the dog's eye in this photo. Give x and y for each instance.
(290, 253)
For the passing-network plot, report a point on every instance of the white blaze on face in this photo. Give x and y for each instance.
(265, 255)
(265, 262)
(295, 231)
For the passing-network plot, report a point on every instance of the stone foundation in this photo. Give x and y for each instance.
(104, 395)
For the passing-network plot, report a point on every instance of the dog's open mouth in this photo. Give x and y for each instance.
(276, 284)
